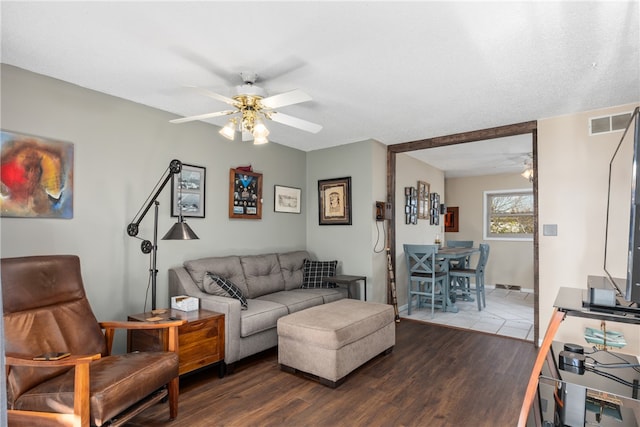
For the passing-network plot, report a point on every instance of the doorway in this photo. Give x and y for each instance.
(524, 128)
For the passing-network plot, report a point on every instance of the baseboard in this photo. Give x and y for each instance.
(509, 288)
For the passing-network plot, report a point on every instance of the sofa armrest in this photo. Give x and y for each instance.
(180, 283)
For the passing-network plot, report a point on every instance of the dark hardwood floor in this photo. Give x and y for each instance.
(435, 376)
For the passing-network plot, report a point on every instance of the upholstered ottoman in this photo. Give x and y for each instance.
(331, 340)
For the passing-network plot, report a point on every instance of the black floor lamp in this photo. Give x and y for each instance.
(179, 231)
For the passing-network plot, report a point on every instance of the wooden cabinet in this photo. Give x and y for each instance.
(200, 340)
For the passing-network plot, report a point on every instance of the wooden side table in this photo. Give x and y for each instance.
(343, 279)
(200, 340)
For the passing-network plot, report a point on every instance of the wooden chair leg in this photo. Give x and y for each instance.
(81, 402)
(174, 389)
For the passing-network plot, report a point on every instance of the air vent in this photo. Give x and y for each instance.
(607, 124)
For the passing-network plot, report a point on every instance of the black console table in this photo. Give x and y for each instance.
(571, 302)
(343, 279)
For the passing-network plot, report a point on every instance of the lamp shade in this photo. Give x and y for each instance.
(229, 130)
(180, 231)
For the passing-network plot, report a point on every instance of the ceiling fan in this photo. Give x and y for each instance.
(253, 105)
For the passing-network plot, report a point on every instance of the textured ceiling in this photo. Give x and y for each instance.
(390, 71)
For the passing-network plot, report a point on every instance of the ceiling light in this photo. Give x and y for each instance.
(527, 173)
(251, 126)
(229, 130)
(260, 140)
(260, 130)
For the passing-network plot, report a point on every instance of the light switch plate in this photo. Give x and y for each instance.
(550, 230)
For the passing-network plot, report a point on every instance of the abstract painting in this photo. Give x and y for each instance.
(36, 177)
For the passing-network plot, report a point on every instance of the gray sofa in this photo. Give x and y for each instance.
(271, 284)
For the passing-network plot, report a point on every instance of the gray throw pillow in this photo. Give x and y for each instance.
(216, 285)
(314, 271)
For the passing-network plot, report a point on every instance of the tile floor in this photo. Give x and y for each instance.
(508, 313)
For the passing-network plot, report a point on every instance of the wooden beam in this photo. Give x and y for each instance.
(461, 138)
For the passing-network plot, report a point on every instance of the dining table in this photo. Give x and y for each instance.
(448, 254)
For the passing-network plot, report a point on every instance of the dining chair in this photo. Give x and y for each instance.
(424, 270)
(466, 274)
(459, 262)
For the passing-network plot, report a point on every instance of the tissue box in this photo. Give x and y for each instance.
(184, 303)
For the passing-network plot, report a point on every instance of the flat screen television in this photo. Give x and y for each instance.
(622, 238)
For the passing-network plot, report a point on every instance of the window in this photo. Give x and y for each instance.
(508, 215)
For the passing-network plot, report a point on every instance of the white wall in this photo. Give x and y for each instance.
(121, 150)
(510, 262)
(572, 193)
(408, 172)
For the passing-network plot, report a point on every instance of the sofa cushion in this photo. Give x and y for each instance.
(328, 295)
(216, 285)
(314, 271)
(260, 316)
(294, 300)
(292, 266)
(262, 274)
(228, 267)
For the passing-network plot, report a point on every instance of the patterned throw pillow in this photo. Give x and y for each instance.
(218, 284)
(314, 271)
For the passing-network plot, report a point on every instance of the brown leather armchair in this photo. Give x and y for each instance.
(46, 310)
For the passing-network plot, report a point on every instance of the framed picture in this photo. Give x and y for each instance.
(187, 191)
(286, 199)
(37, 177)
(423, 200)
(245, 194)
(451, 219)
(334, 201)
(411, 205)
(434, 198)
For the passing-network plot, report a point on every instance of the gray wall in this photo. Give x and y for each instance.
(121, 150)
(352, 245)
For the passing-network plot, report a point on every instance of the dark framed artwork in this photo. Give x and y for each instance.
(286, 199)
(334, 201)
(245, 194)
(434, 199)
(410, 205)
(187, 191)
(451, 219)
(37, 177)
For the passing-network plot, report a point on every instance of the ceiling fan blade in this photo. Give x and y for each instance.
(280, 68)
(203, 116)
(287, 98)
(294, 122)
(214, 95)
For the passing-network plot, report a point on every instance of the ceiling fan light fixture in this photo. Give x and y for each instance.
(229, 130)
(260, 140)
(260, 130)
